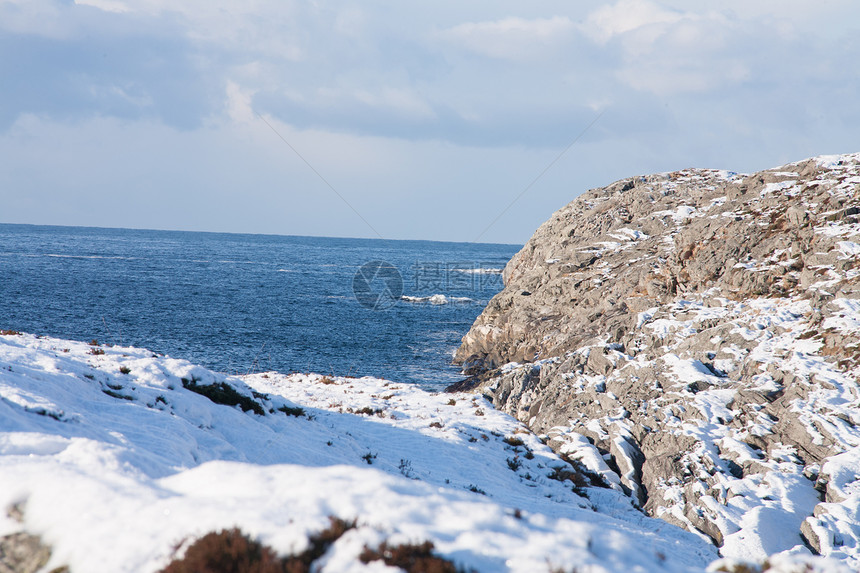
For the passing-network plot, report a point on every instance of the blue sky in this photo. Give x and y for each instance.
(428, 118)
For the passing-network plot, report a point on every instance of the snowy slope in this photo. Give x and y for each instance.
(114, 462)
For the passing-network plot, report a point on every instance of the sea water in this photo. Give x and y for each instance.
(241, 303)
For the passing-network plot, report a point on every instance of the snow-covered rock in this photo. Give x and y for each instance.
(701, 330)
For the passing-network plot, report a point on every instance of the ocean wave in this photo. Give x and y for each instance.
(106, 257)
(437, 299)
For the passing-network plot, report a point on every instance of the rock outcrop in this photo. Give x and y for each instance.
(22, 552)
(694, 338)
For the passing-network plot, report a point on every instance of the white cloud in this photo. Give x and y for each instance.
(693, 55)
(674, 77)
(400, 101)
(238, 103)
(384, 101)
(511, 38)
(40, 18)
(626, 16)
(669, 51)
(115, 6)
(254, 26)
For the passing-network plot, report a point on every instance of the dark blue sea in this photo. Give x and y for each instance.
(248, 303)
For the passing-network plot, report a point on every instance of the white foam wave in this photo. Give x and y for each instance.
(438, 299)
(115, 258)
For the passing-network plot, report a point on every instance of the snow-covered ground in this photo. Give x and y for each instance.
(109, 456)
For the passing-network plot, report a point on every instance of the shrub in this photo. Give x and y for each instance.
(296, 411)
(9, 333)
(113, 394)
(125, 369)
(96, 351)
(223, 393)
(405, 468)
(514, 441)
(319, 544)
(228, 551)
(231, 551)
(368, 411)
(562, 473)
(43, 412)
(412, 558)
(582, 476)
(514, 463)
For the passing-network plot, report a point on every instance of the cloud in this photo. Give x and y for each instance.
(238, 103)
(626, 16)
(512, 38)
(400, 102)
(134, 78)
(115, 6)
(270, 27)
(667, 51)
(694, 55)
(407, 90)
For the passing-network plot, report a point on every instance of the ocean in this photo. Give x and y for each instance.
(241, 303)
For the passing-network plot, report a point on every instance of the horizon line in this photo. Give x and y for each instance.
(465, 242)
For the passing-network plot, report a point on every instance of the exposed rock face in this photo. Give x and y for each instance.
(22, 553)
(694, 337)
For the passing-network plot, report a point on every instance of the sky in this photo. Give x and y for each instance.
(443, 120)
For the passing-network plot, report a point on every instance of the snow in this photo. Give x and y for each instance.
(771, 527)
(114, 462)
(687, 371)
(848, 249)
(626, 234)
(848, 317)
(777, 187)
(679, 215)
(783, 563)
(577, 447)
(834, 162)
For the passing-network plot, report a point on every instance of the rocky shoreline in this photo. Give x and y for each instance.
(694, 339)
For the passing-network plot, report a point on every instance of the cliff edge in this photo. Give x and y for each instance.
(694, 339)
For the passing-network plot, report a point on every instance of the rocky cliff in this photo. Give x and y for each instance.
(694, 339)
